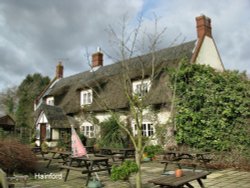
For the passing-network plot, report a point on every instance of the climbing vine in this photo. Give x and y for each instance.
(212, 108)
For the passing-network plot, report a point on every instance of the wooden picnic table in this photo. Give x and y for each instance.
(180, 158)
(90, 165)
(172, 181)
(63, 155)
(121, 153)
(90, 149)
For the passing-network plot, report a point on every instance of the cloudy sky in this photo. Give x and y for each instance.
(35, 35)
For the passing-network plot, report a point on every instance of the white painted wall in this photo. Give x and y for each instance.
(55, 134)
(163, 116)
(209, 55)
(42, 118)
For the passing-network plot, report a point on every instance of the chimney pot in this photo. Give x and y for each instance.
(59, 70)
(97, 59)
(203, 26)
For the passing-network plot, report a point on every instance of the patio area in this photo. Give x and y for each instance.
(228, 178)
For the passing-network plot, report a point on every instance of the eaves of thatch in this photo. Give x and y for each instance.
(107, 81)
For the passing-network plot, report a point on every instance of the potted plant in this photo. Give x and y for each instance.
(123, 171)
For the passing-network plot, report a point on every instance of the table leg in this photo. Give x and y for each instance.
(189, 185)
(50, 160)
(67, 172)
(200, 183)
(165, 167)
(107, 166)
(89, 167)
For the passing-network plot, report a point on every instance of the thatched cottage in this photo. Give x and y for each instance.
(82, 98)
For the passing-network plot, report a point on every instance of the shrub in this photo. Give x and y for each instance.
(111, 134)
(212, 108)
(15, 156)
(123, 171)
(152, 150)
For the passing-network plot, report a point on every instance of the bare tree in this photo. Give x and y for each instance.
(128, 45)
(147, 68)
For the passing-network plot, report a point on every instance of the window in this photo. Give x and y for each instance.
(147, 129)
(86, 97)
(47, 132)
(141, 87)
(88, 130)
(50, 101)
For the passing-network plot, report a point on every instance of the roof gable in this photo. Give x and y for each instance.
(54, 116)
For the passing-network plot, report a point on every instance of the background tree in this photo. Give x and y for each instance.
(27, 91)
(8, 101)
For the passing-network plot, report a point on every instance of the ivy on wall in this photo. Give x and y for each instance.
(212, 108)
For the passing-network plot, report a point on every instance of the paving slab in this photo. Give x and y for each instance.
(228, 178)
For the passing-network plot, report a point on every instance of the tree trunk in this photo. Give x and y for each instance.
(170, 142)
(138, 174)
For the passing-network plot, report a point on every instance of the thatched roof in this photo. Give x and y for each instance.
(107, 81)
(56, 116)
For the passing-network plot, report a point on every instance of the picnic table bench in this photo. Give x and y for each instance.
(91, 165)
(173, 181)
(61, 155)
(186, 158)
(116, 153)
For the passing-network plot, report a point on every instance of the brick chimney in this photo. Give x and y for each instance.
(203, 26)
(97, 58)
(59, 70)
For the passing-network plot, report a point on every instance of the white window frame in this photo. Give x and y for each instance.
(148, 129)
(86, 97)
(88, 130)
(141, 87)
(50, 101)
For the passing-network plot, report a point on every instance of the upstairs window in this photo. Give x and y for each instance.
(86, 97)
(141, 87)
(50, 101)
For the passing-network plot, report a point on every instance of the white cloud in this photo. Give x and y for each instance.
(34, 35)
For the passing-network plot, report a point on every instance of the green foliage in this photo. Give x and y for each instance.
(27, 92)
(123, 171)
(44, 147)
(8, 101)
(111, 134)
(91, 142)
(152, 150)
(83, 138)
(212, 108)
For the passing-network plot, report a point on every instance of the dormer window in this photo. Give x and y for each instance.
(141, 87)
(50, 101)
(86, 97)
